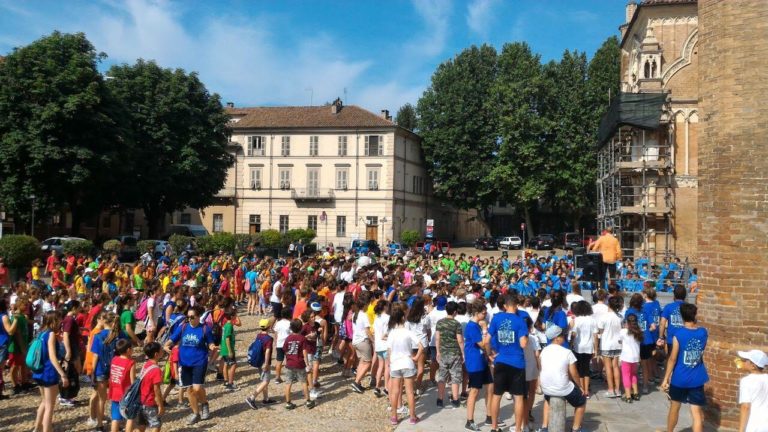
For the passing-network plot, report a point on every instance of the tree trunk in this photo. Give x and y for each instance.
(152, 217)
(76, 218)
(528, 224)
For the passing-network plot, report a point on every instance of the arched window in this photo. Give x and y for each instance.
(647, 69)
(654, 71)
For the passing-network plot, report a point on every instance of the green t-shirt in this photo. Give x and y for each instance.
(22, 330)
(449, 329)
(464, 266)
(138, 282)
(455, 279)
(127, 318)
(227, 332)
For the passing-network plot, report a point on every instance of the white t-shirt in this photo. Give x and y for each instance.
(630, 347)
(554, 377)
(380, 330)
(599, 310)
(360, 328)
(399, 343)
(753, 389)
(277, 288)
(585, 329)
(434, 317)
(610, 339)
(346, 276)
(338, 307)
(572, 298)
(282, 330)
(531, 367)
(419, 330)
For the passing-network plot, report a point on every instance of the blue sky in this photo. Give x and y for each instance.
(259, 52)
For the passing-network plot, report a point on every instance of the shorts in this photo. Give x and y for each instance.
(280, 355)
(478, 379)
(115, 410)
(509, 379)
(381, 354)
(296, 375)
(16, 359)
(318, 355)
(450, 366)
(193, 375)
(277, 308)
(582, 364)
(149, 416)
(693, 396)
(229, 361)
(102, 378)
(610, 353)
(575, 398)
(433, 353)
(364, 351)
(402, 373)
(646, 351)
(266, 375)
(3, 353)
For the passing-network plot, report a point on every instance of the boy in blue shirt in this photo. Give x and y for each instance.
(671, 320)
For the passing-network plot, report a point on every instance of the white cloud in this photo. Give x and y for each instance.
(480, 16)
(436, 16)
(390, 96)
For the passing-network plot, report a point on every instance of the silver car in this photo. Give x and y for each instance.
(57, 244)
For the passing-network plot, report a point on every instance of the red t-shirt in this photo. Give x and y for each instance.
(294, 347)
(309, 329)
(50, 263)
(119, 378)
(3, 276)
(92, 315)
(70, 265)
(69, 325)
(154, 376)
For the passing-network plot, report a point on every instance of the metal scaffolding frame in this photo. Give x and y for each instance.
(635, 191)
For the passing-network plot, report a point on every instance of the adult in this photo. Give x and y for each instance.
(609, 248)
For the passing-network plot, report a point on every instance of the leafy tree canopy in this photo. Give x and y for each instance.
(406, 117)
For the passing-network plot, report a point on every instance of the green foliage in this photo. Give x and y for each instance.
(406, 117)
(294, 235)
(112, 246)
(179, 243)
(245, 241)
(146, 245)
(78, 247)
(409, 237)
(212, 244)
(271, 238)
(18, 251)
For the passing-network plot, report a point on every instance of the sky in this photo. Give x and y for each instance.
(380, 53)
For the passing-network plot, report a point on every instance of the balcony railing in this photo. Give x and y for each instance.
(312, 194)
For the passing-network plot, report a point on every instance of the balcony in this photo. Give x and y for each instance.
(312, 194)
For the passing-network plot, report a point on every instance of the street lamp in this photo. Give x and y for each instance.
(33, 197)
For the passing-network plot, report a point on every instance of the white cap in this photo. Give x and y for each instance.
(759, 358)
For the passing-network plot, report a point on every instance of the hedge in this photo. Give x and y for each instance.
(409, 237)
(294, 235)
(78, 247)
(111, 246)
(271, 239)
(144, 245)
(179, 243)
(19, 250)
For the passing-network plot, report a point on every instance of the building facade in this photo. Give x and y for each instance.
(341, 170)
(647, 181)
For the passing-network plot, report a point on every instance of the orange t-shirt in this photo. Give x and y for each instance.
(299, 309)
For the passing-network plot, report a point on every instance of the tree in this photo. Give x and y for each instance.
(179, 157)
(603, 78)
(406, 117)
(457, 121)
(59, 140)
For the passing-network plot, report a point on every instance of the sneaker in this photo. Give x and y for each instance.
(403, 410)
(251, 402)
(205, 412)
(192, 419)
(464, 396)
(219, 376)
(386, 392)
(393, 420)
(413, 420)
(279, 380)
(313, 394)
(509, 396)
(377, 392)
(232, 387)
(91, 423)
(310, 404)
(489, 422)
(440, 403)
(636, 396)
(609, 394)
(290, 405)
(269, 401)
(646, 390)
(357, 387)
(68, 403)
(471, 426)
(542, 429)
(455, 404)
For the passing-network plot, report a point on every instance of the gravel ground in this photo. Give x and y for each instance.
(339, 408)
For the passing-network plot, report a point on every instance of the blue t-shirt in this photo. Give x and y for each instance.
(3, 334)
(558, 318)
(193, 349)
(671, 313)
(652, 314)
(474, 359)
(251, 276)
(97, 346)
(506, 329)
(689, 369)
(641, 321)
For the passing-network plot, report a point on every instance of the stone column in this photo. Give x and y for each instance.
(733, 192)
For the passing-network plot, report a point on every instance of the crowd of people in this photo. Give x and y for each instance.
(477, 328)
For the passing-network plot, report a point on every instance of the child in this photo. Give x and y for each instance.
(753, 392)
(295, 353)
(584, 340)
(227, 349)
(263, 387)
(122, 373)
(152, 402)
(282, 331)
(631, 337)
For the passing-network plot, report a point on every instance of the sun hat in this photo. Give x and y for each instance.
(553, 331)
(759, 358)
(315, 306)
(264, 323)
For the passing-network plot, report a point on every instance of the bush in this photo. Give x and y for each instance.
(294, 235)
(179, 243)
(145, 245)
(19, 250)
(243, 242)
(78, 247)
(409, 237)
(271, 239)
(212, 244)
(112, 246)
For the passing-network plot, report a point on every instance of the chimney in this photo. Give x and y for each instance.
(230, 104)
(336, 106)
(631, 8)
(385, 115)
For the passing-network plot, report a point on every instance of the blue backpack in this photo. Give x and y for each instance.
(34, 359)
(256, 353)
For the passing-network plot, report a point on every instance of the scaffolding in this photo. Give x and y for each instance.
(635, 191)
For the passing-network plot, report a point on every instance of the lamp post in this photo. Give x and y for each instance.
(33, 197)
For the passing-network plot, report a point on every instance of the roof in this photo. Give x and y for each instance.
(646, 3)
(322, 117)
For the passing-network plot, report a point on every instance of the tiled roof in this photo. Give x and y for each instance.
(664, 2)
(350, 116)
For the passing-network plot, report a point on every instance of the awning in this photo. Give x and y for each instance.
(641, 110)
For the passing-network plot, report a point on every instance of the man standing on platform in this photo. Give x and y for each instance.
(609, 248)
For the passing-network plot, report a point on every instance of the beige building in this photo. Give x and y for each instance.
(647, 180)
(341, 170)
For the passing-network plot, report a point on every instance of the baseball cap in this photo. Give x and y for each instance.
(759, 358)
(441, 302)
(316, 306)
(553, 332)
(264, 323)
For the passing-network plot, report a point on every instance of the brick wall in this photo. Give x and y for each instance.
(733, 191)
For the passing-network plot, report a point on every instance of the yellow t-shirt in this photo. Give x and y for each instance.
(35, 273)
(80, 285)
(166, 282)
(371, 314)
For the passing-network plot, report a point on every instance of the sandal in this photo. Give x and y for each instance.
(636, 396)
(626, 399)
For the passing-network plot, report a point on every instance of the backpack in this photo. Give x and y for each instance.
(165, 337)
(215, 326)
(256, 353)
(34, 359)
(141, 311)
(130, 404)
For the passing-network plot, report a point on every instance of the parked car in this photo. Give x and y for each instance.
(129, 250)
(511, 242)
(161, 247)
(542, 241)
(486, 243)
(185, 230)
(395, 249)
(57, 244)
(364, 247)
(569, 240)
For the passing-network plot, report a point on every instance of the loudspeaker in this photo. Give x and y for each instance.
(579, 251)
(593, 269)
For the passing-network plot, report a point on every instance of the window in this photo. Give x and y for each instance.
(341, 226)
(255, 179)
(185, 219)
(371, 220)
(342, 176)
(312, 222)
(285, 178)
(285, 146)
(373, 179)
(218, 222)
(313, 145)
(283, 224)
(254, 224)
(418, 185)
(256, 145)
(313, 182)
(342, 146)
(374, 145)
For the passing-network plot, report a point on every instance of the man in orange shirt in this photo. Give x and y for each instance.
(609, 248)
